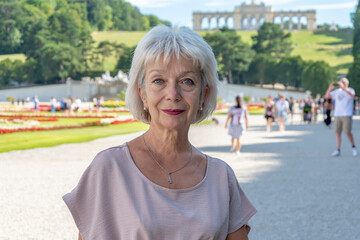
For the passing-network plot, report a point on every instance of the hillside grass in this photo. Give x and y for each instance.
(331, 47)
(13, 57)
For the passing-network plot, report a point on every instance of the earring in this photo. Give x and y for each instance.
(145, 109)
(201, 109)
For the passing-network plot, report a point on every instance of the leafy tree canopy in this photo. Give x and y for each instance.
(272, 40)
(317, 76)
(231, 53)
(354, 71)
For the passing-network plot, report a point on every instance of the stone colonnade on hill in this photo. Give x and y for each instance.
(252, 16)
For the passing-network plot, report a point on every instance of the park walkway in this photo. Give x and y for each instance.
(300, 192)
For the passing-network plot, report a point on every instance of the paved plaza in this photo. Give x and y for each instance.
(300, 192)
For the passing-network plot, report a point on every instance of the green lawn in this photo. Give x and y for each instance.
(332, 47)
(28, 140)
(129, 38)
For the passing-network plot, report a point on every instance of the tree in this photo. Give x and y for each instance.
(289, 71)
(231, 53)
(272, 40)
(10, 26)
(124, 62)
(262, 70)
(59, 45)
(354, 71)
(104, 49)
(317, 76)
(58, 61)
(6, 68)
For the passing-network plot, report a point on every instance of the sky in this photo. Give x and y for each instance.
(179, 12)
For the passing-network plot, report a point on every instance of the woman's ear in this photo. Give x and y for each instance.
(143, 97)
(205, 94)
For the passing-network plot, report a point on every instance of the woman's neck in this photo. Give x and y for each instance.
(168, 141)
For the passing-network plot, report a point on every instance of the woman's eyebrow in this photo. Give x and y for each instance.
(156, 71)
(186, 72)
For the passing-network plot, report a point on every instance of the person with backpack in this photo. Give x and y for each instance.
(237, 116)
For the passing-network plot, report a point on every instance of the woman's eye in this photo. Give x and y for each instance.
(158, 81)
(188, 81)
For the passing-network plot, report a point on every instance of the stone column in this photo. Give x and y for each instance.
(197, 23)
(290, 23)
(237, 21)
(311, 23)
(282, 23)
(209, 22)
(217, 23)
(248, 27)
(299, 24)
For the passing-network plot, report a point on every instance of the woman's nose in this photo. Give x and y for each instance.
(173, 92)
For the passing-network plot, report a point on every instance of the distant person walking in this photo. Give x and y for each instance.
(237, 116)
(343, 111)
(269, 113)
(282, 110)
(291, 109)
(53, 104)
(36, 103)
(328, 106)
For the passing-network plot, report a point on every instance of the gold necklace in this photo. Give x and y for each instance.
(161, 167)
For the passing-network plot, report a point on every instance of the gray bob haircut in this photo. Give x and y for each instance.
(165, 42)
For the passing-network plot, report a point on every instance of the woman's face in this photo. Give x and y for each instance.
(172, 93)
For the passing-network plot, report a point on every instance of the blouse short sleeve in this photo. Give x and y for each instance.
(87, 196)
(241, 209)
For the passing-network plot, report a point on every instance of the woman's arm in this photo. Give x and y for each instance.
(240, 234)
(246, 120)
(80, 238)
(227, 120)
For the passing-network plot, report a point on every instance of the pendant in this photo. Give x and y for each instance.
(170, 181)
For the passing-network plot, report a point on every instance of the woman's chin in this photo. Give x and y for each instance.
(175, 124)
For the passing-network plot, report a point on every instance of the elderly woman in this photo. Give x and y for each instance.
(159, 186)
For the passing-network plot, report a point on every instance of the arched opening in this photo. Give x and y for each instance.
(205, 23)
(303, 22)
(245, 24)
(277, 20)
(213, 23)
(230, 22)
(261, 22)
(295, 21)
(286, 22)
(253, 24)
(222, 22)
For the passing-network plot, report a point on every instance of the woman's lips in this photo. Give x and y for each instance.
(173, 111)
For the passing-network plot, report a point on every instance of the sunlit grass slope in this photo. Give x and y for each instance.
(331, 47)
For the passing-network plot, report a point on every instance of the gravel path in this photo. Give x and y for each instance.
(300, 192)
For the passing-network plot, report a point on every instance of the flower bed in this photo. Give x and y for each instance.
(36, 119)
(112, 110)
(57, 115)
(35, 127)
(113, 103)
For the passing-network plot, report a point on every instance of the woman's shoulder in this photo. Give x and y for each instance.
(111, 155)
(219, 165)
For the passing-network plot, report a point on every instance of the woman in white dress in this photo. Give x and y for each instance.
(237, 116)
